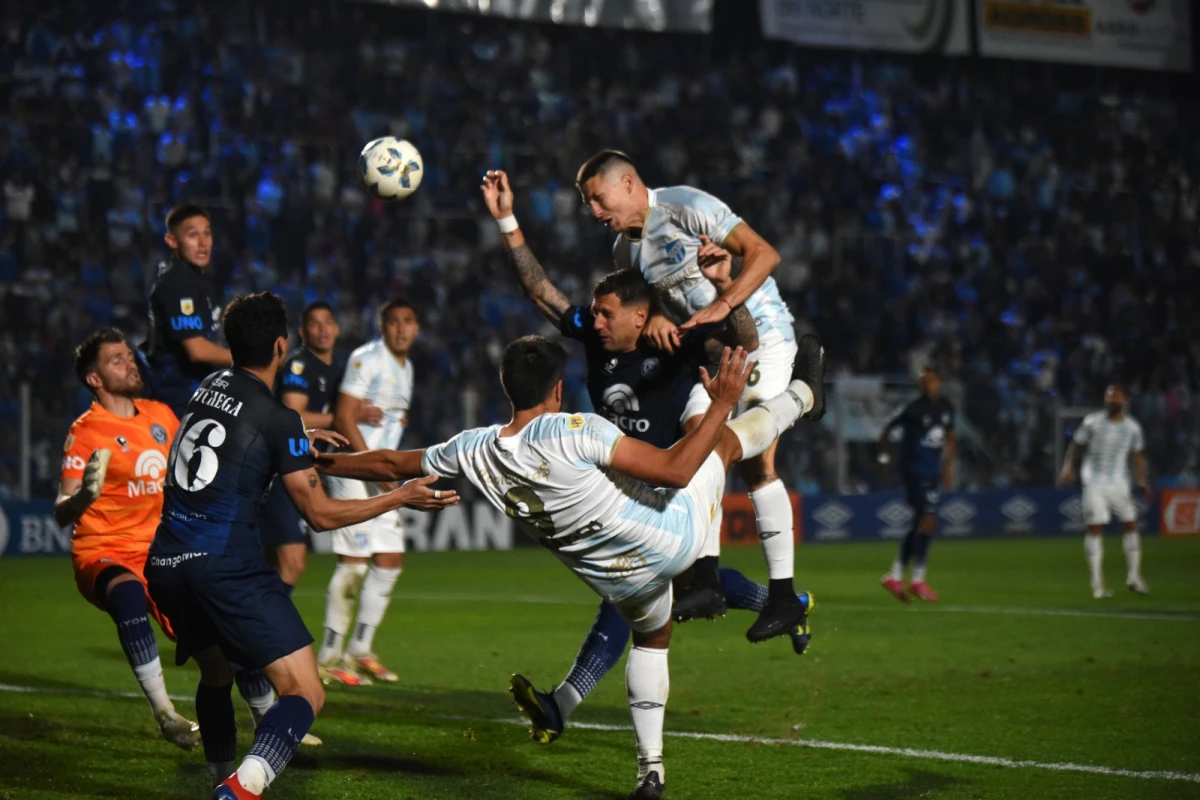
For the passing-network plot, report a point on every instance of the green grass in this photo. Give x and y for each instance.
(1109, 690)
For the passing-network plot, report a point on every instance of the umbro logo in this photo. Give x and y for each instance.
(833, 515)
(895, 513)
(764, 535)
(645, 705)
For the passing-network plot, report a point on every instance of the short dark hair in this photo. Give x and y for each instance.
(627, 284)
(253, 323)
(601, 163)
(87, 354)
(183, 212)
(529, 369)
(311, 308)
(395, 303)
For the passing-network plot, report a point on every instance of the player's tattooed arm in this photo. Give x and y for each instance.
(537, 287)
(739, 331)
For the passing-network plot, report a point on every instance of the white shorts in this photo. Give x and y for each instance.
(1103, 501)
(384, 534)
(771, 375)
(650, 608)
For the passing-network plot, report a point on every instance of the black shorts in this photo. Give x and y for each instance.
(279, 521)
(237, 604)
(924, 493)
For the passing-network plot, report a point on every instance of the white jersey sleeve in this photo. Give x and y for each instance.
(359, 376)
(443, 459)
(1138, 442)
(1083, 434)
(701, 214)
(596, 441)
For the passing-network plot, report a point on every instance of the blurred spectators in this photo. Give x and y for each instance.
(1031, 230)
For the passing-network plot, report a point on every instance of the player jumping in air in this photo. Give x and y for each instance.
(586, 492)
(927, 462)
(206, 569)
(1112, 440)
(111, 490)
(650, 395)
(371, 554)
(663, 234)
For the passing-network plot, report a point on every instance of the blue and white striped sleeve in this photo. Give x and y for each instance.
(705, 215)
(443, 459)
(598, 438)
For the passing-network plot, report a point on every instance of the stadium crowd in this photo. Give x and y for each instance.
(949, 213)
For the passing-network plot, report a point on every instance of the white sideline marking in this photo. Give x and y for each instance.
(1161, 616)
(908, 752)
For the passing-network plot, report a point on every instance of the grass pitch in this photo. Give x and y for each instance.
(1016, 664)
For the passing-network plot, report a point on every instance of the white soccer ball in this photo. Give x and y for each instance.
(390, 168)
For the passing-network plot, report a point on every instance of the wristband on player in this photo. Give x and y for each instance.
(508, 224)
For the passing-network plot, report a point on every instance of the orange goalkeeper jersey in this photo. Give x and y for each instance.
(125, 515)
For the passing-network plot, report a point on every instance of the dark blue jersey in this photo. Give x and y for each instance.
(182, 307)
(925, 424)
(234, 438)
(304, 373)
(644, 392)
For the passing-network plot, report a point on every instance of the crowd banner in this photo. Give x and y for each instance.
(687, 16)
(1181, 513)
(1140, 34)
(905, 26)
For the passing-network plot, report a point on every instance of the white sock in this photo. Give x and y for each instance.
(567, 698)
(918, 573)
(1094, 547)
(339, 599)
(372, 605)
(897, 571)
(647, 683)
(218, 771)
(1132, 544)
(760, 426)
(150, 676)
(259, 706)
(773, 515)
(255, 774)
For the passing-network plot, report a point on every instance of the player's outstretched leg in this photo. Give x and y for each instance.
(756, 430)
(648, 683)
(1093, 548)
(919, 587)
(125, 600)
(745, 594)
(373, 603)
(603, 647)
(339, 604)
(259, 695)
(278, 735)
(1131, 543)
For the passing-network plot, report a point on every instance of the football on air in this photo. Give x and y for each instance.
(391, 169)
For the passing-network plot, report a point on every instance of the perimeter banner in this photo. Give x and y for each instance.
(1140, 34)
(906, 26)
(687, 16)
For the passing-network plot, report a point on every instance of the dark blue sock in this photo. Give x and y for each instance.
(280, 732)
(920, 548)
(126, 603)
(601, 650)
(741, 592)
(907, 544)
(214, 712)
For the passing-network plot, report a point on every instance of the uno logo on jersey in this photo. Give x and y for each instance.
(150, 472)
(298, 447)
(620, 399)
(188, 323)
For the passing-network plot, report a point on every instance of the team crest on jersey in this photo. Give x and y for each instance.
(611, 365)
(575, 422)
(186, 306)
(297, 367)
(675, 251)
(68, 444)
(124, 443)
(650, 368)
(159, 433)
(321, 384)
(358, 364)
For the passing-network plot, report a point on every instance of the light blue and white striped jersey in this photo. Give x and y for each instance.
(1109, 445)
(615, 532)
(666, 256)
(374, 374)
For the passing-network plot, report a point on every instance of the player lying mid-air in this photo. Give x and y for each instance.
(587, 492)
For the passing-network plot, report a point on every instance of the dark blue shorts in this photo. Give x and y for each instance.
(234, 603)
(279, 521)
(924, 493)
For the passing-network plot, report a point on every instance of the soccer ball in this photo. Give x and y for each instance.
(390, 168)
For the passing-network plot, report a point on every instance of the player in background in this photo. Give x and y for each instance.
(111, 491)
(185, 318)
(660, 232)
(1111, 440)
(585, 491)
(307, 384)
(650, 395)
(370, 554)
(927, 462)
(206, 569)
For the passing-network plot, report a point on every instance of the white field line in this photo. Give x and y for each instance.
(1162, 616)
(907, 752)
